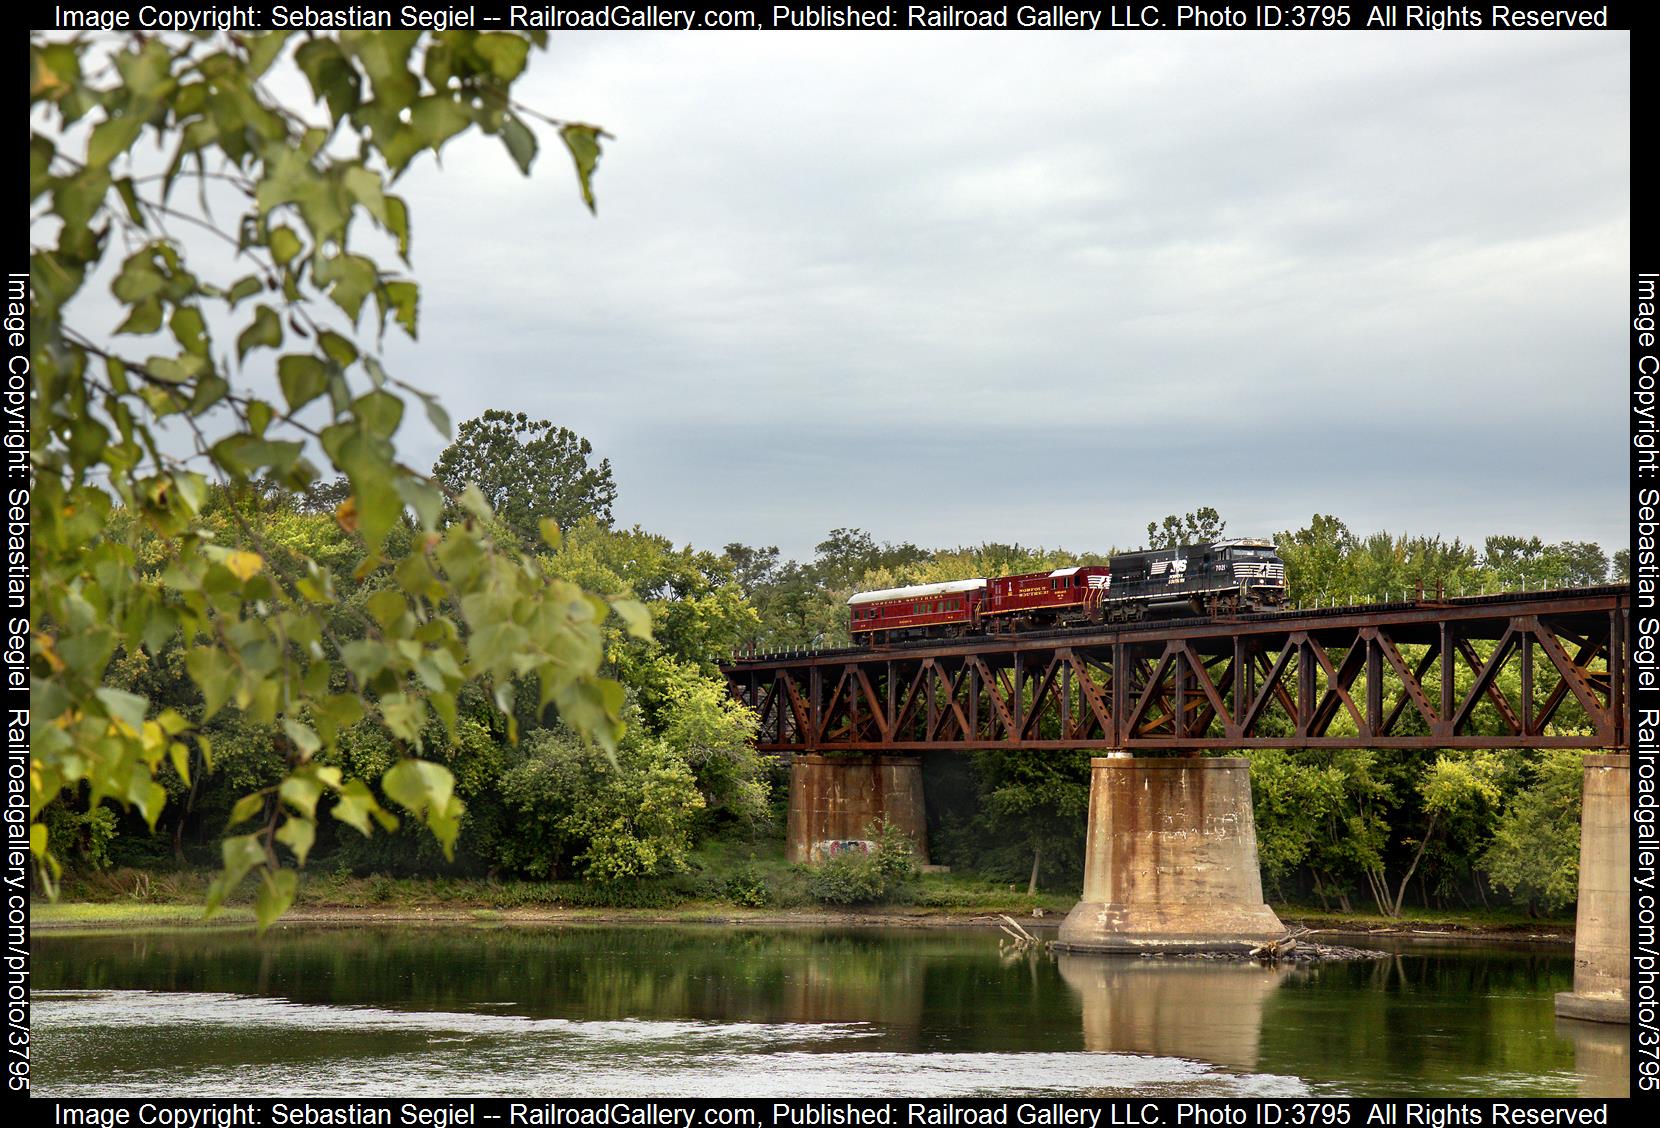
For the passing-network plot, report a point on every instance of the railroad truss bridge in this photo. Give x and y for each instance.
(1538, 669)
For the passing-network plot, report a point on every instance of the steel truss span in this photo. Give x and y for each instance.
(1532, 670)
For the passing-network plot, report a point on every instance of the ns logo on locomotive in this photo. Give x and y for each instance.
(1220, 578)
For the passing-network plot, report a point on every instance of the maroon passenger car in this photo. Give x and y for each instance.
(944, 610)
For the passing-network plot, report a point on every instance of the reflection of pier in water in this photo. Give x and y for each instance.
(1602, 1056)
(1205, 1009)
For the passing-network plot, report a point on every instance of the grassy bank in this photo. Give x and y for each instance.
(1483, 922)
(747, 880)
(726, 881)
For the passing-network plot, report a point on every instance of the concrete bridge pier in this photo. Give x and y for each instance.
(1170, 859)
(1602, 930)
(837, 798)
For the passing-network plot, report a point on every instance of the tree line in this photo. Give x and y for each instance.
(1346, 828)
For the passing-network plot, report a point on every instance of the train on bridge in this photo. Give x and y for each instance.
(1219, 578)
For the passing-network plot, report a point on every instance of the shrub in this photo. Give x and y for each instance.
(863, 879)
(611, 818)
(747, 886)
(847, 879)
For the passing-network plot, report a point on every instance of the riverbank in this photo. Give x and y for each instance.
(81, 915)
(759, 890)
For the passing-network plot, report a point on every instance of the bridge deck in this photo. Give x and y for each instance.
(1534, 669)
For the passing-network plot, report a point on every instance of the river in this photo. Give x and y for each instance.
(739, 1011)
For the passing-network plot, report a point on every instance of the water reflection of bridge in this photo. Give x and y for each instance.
(1210, 1010)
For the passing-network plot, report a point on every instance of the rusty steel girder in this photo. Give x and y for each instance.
(1533, 670)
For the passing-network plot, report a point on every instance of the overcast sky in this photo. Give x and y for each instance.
(1048, 287)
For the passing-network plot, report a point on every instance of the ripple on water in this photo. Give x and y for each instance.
(223, 1043)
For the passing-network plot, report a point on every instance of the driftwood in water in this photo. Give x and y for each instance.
(1281, 948)
(1019, 939)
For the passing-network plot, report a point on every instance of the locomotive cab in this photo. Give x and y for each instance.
(1255, 569)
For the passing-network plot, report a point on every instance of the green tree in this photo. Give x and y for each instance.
(847, 554)
(1316, 559)
(753, 568)
(1040, 800)
(1534, 851)
(289, 190)
(1459, 791)
(608, 818)
(1528, 562)
(1203, 526)
(528, 470)
(1293, 803)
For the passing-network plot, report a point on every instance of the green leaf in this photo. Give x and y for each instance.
(340, 350)
(427, 789)
(143, 320)
(192, 488)
(386, 607)
(260, 414)
(583, 143)
(302, 792)
(505, 53)
(335, 712)
(240, 854)
(180, 756)
(128, 708)
(265, 329)
(404, 717)
(242, 454)
(284, 244)
(635, 615)
(365, 187)
(275, 894)
(304, 739)
(418, 784)
(298, 834)
(146, 794)
(594, 708)
(246, 808)
(549, 529)
(303, 379)
(244, 288)
(472, 500)
(357, 804)
(379, 412)
(112, 137)
(424, 499)
(190, 330)
(350, 280)
(436, 118)
(365, 658)
(495, 645)
(520, 142)
(139, 279)
(403, 298)
(437, 416)
(397, 222)
(263, 49)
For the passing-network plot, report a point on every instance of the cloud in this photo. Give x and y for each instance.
(964, 287)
